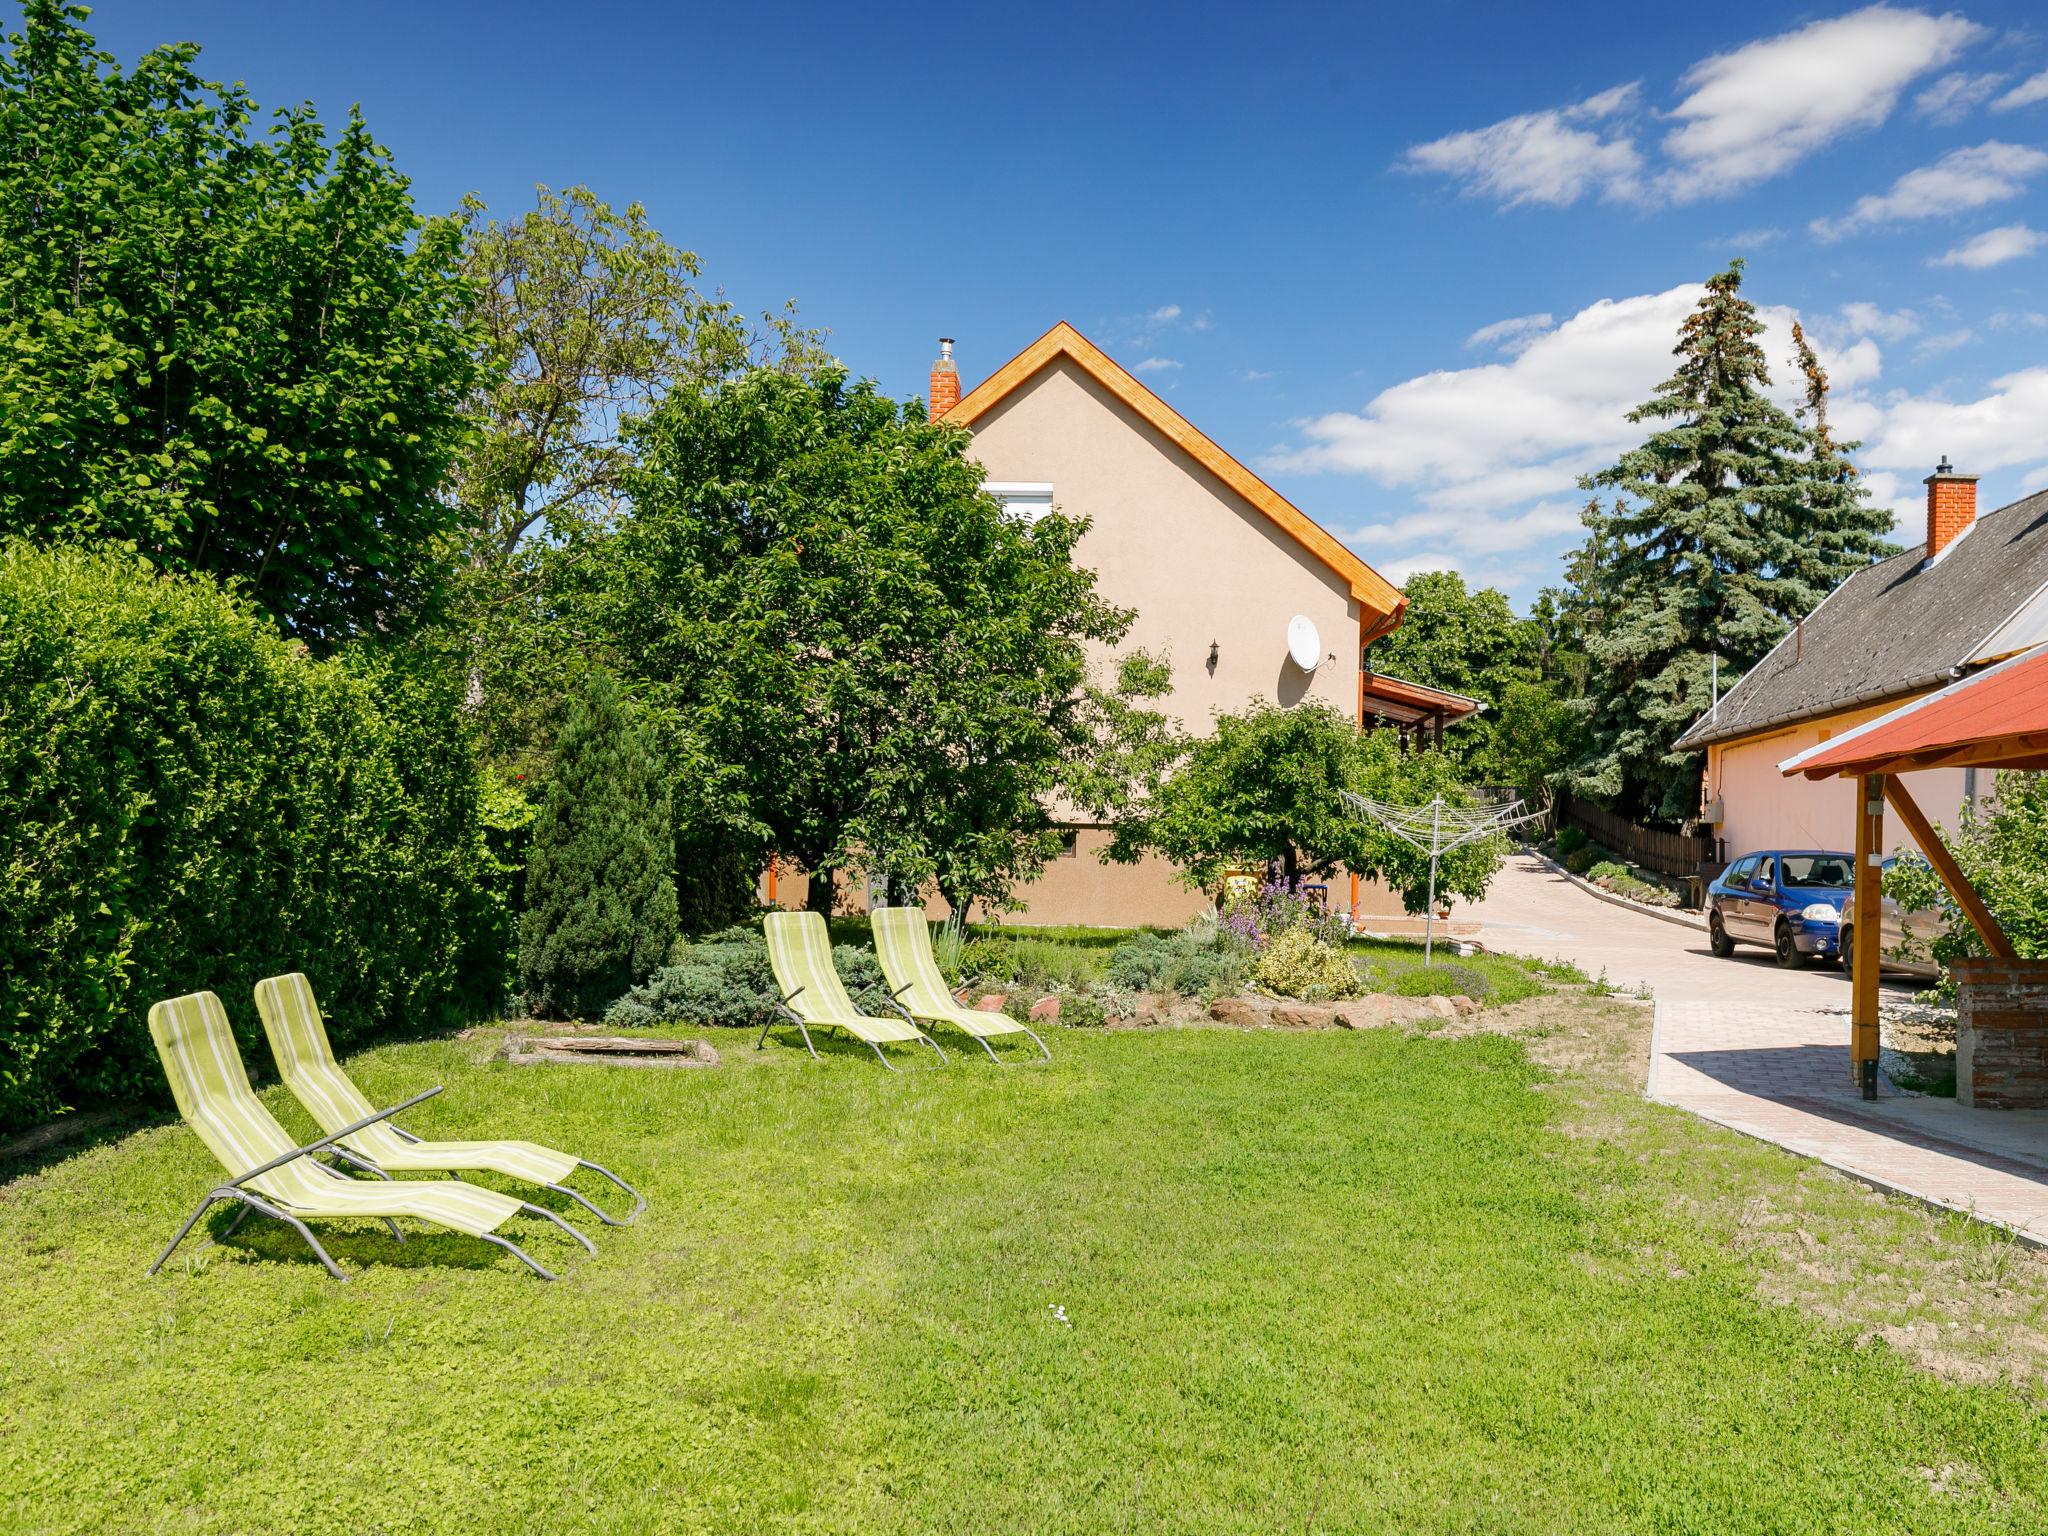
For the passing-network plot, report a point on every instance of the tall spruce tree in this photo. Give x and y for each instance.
(600, 880)
(1729, 522)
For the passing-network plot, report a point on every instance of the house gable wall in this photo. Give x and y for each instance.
(1196, 561)
(1766, 810)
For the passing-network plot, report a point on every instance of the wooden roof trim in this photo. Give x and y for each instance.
(1373, 591)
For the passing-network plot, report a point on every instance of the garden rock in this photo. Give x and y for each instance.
(1442, 1007)
(1373, 1011)
(1047, 1008)
(1464, 1004)
(1234, 1010)
(992, 1002)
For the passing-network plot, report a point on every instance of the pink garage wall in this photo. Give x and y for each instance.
(1763, 809)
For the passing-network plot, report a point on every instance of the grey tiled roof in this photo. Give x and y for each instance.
(1893, 628)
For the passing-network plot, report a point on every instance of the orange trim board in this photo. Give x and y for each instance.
(1373, 591)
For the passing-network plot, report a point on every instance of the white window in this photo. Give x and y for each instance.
(1025, 499)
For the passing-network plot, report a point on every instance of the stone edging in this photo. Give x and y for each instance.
(1662, 914)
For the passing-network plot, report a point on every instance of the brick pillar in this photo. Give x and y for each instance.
(2002, 1033)
(945, 380)
(1951, 507)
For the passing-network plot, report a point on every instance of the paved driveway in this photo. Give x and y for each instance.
(1763, 1050)
(1533, 910)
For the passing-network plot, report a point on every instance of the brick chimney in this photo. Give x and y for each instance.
(945, 380)
(1951, 506)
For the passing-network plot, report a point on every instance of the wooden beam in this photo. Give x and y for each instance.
(1951, 873)
(1868, 915)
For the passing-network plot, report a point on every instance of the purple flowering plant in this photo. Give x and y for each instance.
(1279, 906)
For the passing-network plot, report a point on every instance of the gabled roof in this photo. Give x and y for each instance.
(1895, 628)
(1374, 592)
(1994, 718)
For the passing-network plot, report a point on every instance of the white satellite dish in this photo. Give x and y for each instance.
(1303, 643)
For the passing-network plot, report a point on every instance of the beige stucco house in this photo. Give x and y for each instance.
(1214, 561)
(1973, 592)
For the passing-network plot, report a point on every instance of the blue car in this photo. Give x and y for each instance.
(1790, 901)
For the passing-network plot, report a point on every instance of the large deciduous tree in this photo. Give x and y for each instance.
(863, 661)
(1729, 522)
(584, 318)
(1465, 640)
(236, 350)
(1263, 792)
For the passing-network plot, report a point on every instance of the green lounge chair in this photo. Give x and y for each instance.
(305, 1060)
(283, 1181)
(800, 952)
(903, 943)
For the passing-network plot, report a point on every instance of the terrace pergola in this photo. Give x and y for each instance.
(1997, 718)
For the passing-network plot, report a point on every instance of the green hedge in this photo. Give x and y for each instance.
(187, 801)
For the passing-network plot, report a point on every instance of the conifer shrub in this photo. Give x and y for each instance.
(600, 878)
(726, 982)
(189, 802)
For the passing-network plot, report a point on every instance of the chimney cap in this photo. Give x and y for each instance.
(945, 346)
(1944, 467)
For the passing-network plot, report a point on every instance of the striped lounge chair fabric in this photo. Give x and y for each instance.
(903, 943)
(273, 1176)
(306, 1061)
(813, 996)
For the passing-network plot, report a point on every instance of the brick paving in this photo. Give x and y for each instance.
(1746, 1044)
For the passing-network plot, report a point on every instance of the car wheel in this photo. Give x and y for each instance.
(1717, 936)
(1848, 950)
(1789, 955)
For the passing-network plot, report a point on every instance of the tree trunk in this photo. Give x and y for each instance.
(1290, 865)
(823, 892)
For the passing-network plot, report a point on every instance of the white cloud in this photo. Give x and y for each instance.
(1996, 432)
(1760, 109)
(1399, 570)
(1165, 314)
(1858, 318)
(1752, 239)
(1256, 375)
(1155, 365)
(1502, 434)
(1955, 96)
(1511, 336)
(1474, 534)
(1963, 178)
(2030, 90)
(1540, 157)
(2009, 242)
(1945, 341)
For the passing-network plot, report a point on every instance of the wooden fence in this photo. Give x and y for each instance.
(1669, 853)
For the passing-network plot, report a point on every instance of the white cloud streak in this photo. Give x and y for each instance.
(1540, 157)
(1993, 248)
(1991, 172)
(1755, 112)
(1512, 336)
(2030, 90)
(1955, 96)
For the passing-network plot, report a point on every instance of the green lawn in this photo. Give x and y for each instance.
(1188, 1280)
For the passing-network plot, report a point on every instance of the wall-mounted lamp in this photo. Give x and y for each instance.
(1212, 658)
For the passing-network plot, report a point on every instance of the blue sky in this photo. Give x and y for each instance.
(1412, 263)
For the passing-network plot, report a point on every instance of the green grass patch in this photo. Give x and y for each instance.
(1202, 1281)
(1511, 977)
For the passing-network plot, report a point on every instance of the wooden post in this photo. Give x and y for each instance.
(1945, 865)
(1868, 915)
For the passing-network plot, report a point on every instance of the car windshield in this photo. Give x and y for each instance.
(1799, 870)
